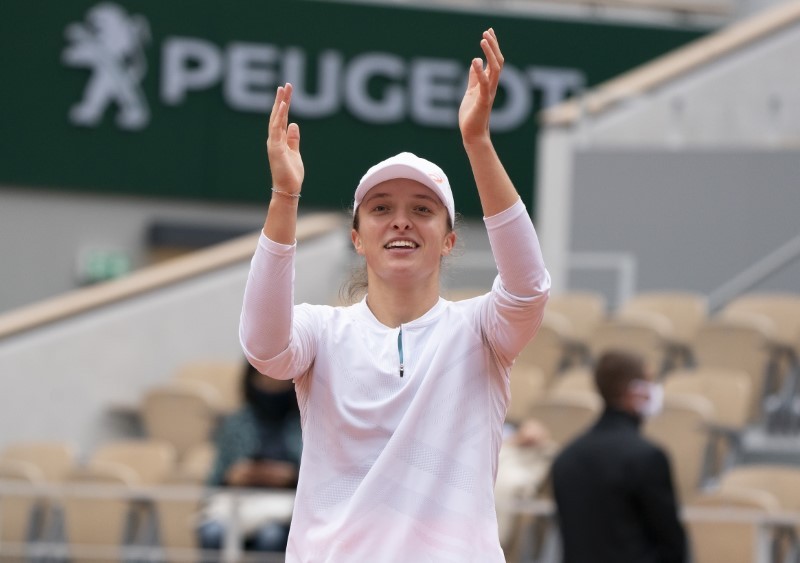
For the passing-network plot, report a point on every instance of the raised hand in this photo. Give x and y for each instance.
(476, 107)
(283, 145)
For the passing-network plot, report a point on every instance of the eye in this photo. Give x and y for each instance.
(379, 208)
(424, 209)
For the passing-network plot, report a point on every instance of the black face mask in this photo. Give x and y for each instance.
(273, 407)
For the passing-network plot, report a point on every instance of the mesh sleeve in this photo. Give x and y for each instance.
(265, 325)
(517, 253)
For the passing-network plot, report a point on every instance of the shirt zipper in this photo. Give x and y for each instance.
(400, 349)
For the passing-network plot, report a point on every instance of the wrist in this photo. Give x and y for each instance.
(477, 142)
(285, 193)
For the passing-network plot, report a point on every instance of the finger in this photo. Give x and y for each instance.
(275, 105)
(493, 64)
(475, 69)
(480, 76)
(491, 38)
(293, 137)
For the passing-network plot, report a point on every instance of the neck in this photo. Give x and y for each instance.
(395, 306)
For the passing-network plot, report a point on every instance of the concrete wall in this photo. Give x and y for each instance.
(689, 219)
(59, 382)
(42, 234)
(748, 97)
(715, 144)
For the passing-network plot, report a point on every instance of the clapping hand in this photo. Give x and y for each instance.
(476, 107)
(283, 145)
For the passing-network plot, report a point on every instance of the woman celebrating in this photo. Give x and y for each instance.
(402, 395)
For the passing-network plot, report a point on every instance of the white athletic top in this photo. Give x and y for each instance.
(398, 468)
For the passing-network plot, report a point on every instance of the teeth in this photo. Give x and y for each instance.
(401, 244)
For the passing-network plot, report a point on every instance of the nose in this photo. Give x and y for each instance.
(400, 221)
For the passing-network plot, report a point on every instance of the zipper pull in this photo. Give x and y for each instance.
(400, 349)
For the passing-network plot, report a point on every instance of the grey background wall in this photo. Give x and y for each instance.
(691, 219)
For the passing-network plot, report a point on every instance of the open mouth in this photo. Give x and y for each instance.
(401, 244)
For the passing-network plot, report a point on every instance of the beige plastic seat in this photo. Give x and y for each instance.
(178, 506)
(53, 459)
(225, 377)
(583, 309)
(717, 540)
(195, 466)
(567, 414)
(96, 522)
(38, 462)
(182, 413)
(152, 461)
(682, 429)
(177, 512)
(21, 514)
(686, 311)
(549, 348)
(781, 481)
(782, 309)
(579, 379)
(645, 334)
(738, 343)
(527, 386)
(729, 391)
(730, 394)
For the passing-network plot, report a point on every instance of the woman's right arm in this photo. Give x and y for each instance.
(265, 325)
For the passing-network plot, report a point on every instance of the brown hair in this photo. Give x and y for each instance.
(614, 372)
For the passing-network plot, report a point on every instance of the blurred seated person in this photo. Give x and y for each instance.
(258, 446)
(522, 469)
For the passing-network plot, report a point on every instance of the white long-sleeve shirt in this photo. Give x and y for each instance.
(398, 468)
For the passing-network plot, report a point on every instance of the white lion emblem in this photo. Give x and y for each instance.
(110, 43)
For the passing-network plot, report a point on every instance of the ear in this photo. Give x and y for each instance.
(356, 238)
(448, 243)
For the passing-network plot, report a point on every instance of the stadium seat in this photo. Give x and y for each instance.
(527, 386)
(53, 459)
(183, 413)
(739, 344)
(643, 333)
(726, 539)
(22, 515)
(225, 377)
(730, 394)
(550, 347)
(100, 520)
(729, 391)
(574, 379)
(584, 310)
(681, 429)
(152, 461)
(782, 482)
(782, 309)
(567, 415)
(685, 311)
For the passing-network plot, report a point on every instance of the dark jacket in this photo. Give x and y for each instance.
(615, 499)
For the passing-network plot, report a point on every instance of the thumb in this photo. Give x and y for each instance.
(293, 136)
(473, 72)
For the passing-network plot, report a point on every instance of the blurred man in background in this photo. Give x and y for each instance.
(613, 488)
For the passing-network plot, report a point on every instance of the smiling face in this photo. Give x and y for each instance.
(403, 231)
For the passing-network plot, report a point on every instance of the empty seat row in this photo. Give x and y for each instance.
(756, 334)
(49, 497)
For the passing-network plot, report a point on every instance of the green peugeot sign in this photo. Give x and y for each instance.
(171, 98)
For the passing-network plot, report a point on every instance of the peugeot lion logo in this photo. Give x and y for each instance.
(111, 44)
